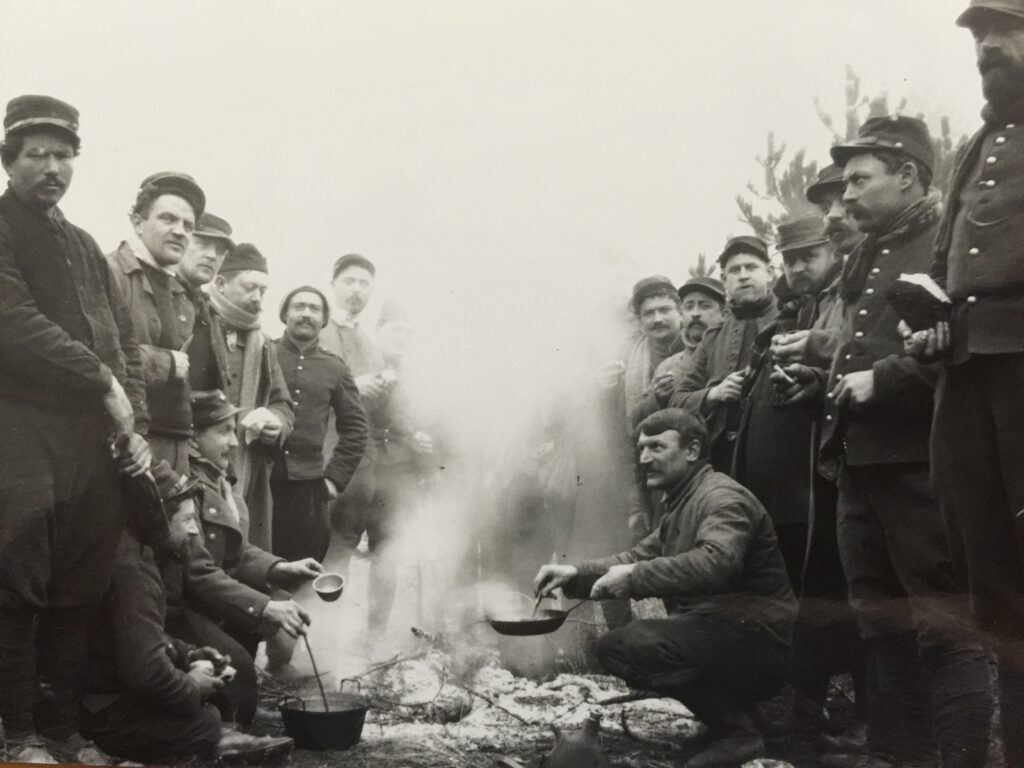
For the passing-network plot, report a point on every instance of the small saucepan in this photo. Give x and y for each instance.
(523, 622)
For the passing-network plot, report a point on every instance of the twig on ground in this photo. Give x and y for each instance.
(625, 698)
(643, 739)
(494, 704)
(393, 661)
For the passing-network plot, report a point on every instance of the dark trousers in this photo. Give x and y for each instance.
(134, 730)
(895, 552)
(825, 637)
(372, 504)
(61, 518)
(42, 660)
(236, 700)
(301, 524)
(978, 458)
(717, 669)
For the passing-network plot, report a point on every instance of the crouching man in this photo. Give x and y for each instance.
(148, 696)
(715, 563)
(234, 588)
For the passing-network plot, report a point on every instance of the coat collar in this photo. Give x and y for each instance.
(126, 259)
(680, 493)
(287, 343)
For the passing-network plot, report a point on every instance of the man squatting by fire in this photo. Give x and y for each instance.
(168, 473)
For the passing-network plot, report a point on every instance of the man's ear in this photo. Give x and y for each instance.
(908, 175)
(693, 451)
(136, 219)
(219, 282)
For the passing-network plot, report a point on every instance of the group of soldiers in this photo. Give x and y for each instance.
(819, 487)
(168, 473)
(822, 486)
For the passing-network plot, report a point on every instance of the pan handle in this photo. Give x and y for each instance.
(581, 602)
(341, 685)
(286, 699)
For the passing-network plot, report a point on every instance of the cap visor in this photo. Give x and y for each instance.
(803, 244)
(976, 13)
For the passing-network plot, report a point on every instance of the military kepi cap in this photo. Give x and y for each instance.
(29, 111)
(894, 133)
(210, 407)
(979, 8)
(801, 232)
(180, 184)
(213, 228)
(706, 285)
(830, 179)
(755, 246)
(244, 257)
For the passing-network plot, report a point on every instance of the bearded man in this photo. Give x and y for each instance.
(977, 441)
(255, 382)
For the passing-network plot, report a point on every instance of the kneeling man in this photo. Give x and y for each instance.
(715, 563)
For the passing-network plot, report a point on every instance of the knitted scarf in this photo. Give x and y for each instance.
(233, 315)
(247, 325)
(912, 220)
(751, 311)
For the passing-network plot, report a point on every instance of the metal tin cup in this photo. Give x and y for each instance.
(329, 586)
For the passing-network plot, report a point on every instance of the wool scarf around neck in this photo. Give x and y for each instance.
(750, 311)
(912, 220)
(233, 315)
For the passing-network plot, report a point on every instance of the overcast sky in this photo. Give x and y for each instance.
(490, 156)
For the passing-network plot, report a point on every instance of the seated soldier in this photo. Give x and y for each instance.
(218, 596)
(233, 586)
(148, 696)
(715, 563)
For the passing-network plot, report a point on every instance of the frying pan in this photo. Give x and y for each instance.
(520, 623)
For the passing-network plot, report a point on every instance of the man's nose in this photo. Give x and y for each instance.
(232, 440)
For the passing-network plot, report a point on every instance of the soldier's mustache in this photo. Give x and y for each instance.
(991, 60)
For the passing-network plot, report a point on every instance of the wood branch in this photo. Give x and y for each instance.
(628, 696)
(666, 745)
(493, 703)
(393, 661)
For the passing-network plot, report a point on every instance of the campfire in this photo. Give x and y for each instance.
(450, 701)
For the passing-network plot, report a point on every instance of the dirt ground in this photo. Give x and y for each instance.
(445, 696)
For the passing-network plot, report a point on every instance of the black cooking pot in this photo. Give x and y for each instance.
(339, 728)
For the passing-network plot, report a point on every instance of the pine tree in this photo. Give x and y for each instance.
(782, 195)
(701, 268)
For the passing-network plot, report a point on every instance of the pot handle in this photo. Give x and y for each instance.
(286, 699)
(341, 685)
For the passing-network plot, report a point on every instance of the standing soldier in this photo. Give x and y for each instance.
(255, 384)
(713, 385)
(163, 218)
(977, 442)
(877, 420)
(207, 359)
(70, 377)
(320, 384)
(353, 280)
